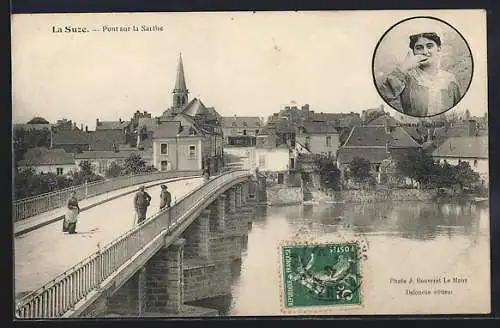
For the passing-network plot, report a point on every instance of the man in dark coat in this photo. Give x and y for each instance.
(165, 198)
(141, 203)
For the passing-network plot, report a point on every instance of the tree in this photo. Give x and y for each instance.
(135, 164)
(85, 174)
(419, 166)
(28, 183)
(114, 170)
(329, 174)
(359, 170)
(465, 176)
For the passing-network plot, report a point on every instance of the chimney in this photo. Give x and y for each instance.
(86, 128)
(120, 120)
(96, 123)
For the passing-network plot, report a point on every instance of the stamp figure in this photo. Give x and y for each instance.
(321, 275)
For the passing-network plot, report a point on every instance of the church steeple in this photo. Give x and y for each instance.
(180, 92)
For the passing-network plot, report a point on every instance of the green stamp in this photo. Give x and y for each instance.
(321, 275)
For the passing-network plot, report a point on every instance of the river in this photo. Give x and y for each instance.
(405, 240)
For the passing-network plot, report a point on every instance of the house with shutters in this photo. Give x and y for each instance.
(177, 147)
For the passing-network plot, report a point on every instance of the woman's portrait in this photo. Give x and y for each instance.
(422, 67)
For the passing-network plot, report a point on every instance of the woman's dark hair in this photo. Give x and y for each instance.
(430, 35)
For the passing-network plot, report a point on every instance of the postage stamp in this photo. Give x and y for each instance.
(320, 275)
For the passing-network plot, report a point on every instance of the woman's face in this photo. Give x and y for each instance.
(428, 48)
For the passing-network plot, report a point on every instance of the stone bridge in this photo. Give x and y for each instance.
(177, 256)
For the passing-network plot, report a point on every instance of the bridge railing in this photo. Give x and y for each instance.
(65, 291)
(28, 207)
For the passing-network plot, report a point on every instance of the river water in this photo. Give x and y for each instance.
(447, 241)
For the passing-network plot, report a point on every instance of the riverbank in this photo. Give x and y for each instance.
(358, 196)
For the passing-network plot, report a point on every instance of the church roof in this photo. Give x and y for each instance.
(180, 81)
(194, 108)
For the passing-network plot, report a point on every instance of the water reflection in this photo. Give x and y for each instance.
(449, 230)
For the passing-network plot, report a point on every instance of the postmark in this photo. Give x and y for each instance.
(316, 277)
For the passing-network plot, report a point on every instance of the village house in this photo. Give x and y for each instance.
(318, 137)
(470, 149)
(43, 160)
(101, 160)
(191, 130)
(376, 143)
(241, 130)
(177, 147)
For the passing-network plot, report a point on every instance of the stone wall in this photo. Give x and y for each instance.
(206, 280)
(284, 195)
(376, 195)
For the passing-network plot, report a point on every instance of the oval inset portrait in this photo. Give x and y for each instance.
(422, 66)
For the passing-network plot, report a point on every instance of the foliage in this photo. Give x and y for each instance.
(27, 183)
(85, 174)
(359, 170)
(422, 168)
(135, 164)
(114, 170)
(24, 139)
(329, 174)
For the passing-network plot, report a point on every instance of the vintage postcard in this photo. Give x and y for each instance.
(250, 164)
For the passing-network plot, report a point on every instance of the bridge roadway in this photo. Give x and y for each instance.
(42, 254)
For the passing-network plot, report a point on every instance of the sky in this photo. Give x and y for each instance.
(243, 63)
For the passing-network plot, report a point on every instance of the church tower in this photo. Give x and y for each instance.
(180, 92)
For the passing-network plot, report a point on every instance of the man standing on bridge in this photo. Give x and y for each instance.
(141, 202)
(165, 198)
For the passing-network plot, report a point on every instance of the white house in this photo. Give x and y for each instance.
(43, 160)
(101, 159)
(176, 147)
(470, 149)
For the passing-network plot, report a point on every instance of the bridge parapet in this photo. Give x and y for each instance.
(31, 206)
(66, 295)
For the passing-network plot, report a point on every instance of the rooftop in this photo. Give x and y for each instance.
(241, 121)
(111, 125)
(468, 147)
(44, 156)
(108, 154)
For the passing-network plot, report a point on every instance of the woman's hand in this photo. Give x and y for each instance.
(411, 61)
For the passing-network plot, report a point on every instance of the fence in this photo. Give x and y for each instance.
(65, 291)
(28, 207)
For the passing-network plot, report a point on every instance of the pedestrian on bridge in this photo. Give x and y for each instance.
(141, 202)
(71, 217)
(165, 198)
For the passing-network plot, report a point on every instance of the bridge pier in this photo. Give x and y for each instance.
(197, 237)
(218, 214)
(165, 280)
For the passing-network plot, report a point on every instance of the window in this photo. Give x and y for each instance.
(328, 141)
(164, 165)
(164, 149)
(192, 152)
(59, 171)
(280, 178)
